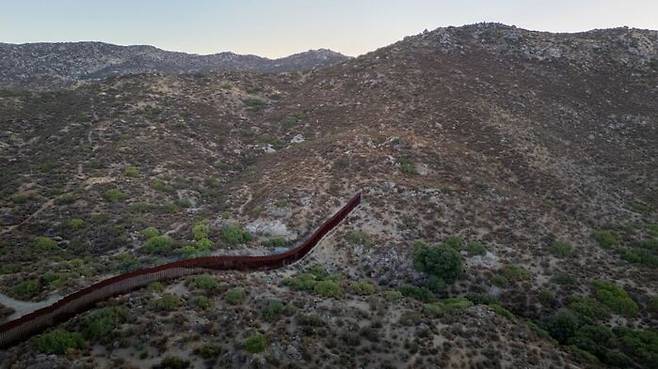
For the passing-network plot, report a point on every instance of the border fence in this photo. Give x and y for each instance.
(30, 324)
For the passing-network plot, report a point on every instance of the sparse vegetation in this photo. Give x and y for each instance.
(167, 302)
(358, 237)
(407, 166)
(43, 243)
(101, 324)
(131, 171)
(363, 288)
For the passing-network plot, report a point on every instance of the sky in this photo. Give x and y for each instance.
(283, 27)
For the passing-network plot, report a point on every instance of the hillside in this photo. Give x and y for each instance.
(55, 65)
(533, 155)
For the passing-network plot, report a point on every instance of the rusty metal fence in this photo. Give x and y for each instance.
(24, 327)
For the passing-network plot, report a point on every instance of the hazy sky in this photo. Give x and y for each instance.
(278, 28)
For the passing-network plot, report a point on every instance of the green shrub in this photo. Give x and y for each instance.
(201, 302)
(443, 262)
(500, 310)
(43, 243)
(407, 166)
(75, 224)
(114, 195)
(515, 273)
(652, 305)
(272, 309)
(358, 237)
(101, 324)
(640, 256)
(172, 362)
(201, 230)
(161, 186)
(26, 289)
(208, 351)
(562, 325)
(254, 103)
(204, 282)
(589, 309)
(392, 295)
(59, 341)
(475, 248)
(131, 171)
(235, 296)
(302, 281)
(606, 238)
(235, 235)
(255, 343)
(275, 242)
(447, 306)
(615, 298)
(419, 293)
(328, 288)
(564, 279)
(652, 230)
(639, 344)
(150, 232)
(561, 249)
(363, 288)
(158, 245)
(167, 302)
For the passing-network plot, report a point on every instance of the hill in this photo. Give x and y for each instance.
(62, 64)
(531, 155)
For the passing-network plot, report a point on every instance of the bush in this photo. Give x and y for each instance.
(150, 232)
(172, 362)
(500, 310)
(562, 325)
(235, 235)
(208, 352)
(254, 103)
(589, 309)
(407, 166)
(59, 341)
(441, 261)
(131, 171)
(114, 195)
(201, 230)
(201, 302)
(158, 245)
(476, 248)
(275, 242)
(652, 230)
(328, 288)
(27, 289)
(419, 293)
(615, 298)
(272, 310)
(255, 343)
(75, 224)
(561, 249)
(606, 238)
(447, 306)
(515, 273)
(167, 302)
(392, 295)
(235, 296)
(43, 243)
(358, 237)
(101, 324)
(363, 288)
(204, 282)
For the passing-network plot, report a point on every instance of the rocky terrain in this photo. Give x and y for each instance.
(510, 183)
(54, 65)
